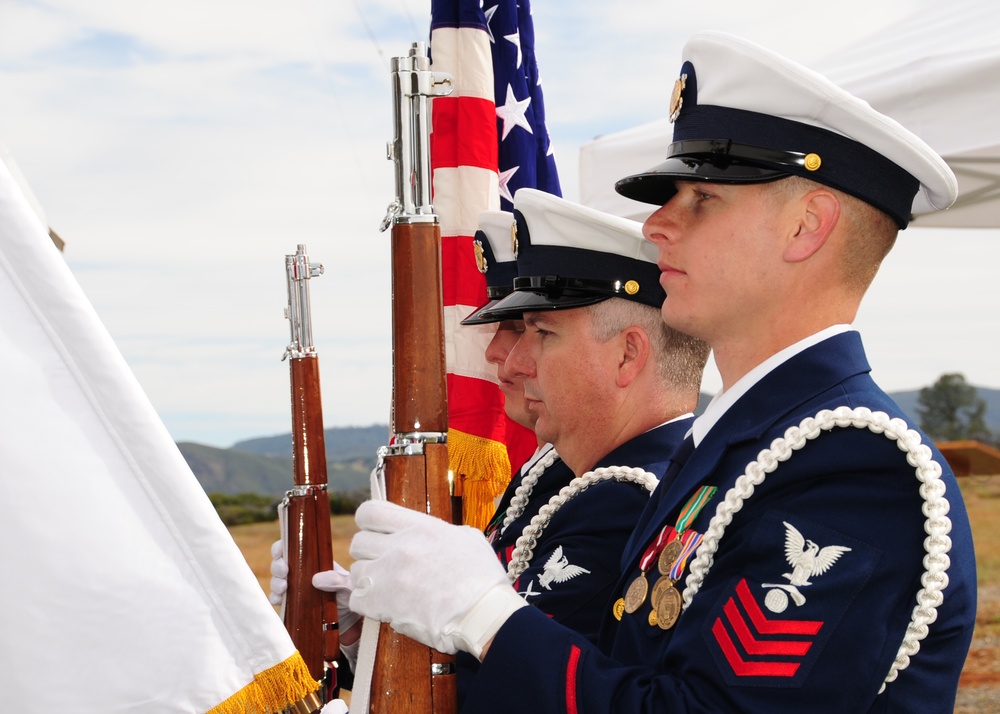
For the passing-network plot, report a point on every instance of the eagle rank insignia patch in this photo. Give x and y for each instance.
(558, 569)
(771, 630)
(808, 560)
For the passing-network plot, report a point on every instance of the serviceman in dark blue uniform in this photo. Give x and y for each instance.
(561, 540)
(575, 263)
(494, 247)
(833, 567)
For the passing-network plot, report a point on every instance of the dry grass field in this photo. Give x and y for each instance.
(979, 690)
(255, 540)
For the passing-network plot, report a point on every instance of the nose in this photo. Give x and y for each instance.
(660, 226)
(506, 336)
(519, 362)
(498, 348)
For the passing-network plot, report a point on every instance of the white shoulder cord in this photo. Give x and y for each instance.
(525, 546)
(936, 506)
(527, 485)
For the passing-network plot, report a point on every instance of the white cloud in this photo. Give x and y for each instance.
(183, 148)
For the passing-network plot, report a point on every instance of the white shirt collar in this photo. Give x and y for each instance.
(722, 401)
(539, 453)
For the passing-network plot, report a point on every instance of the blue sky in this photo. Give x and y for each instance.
(183, 148)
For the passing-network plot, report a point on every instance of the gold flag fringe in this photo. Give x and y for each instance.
(272, 690)
(485, 466)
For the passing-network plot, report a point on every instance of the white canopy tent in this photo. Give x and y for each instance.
(937, 72)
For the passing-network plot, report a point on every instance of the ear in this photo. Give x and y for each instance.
(818, 214)
(634, 354)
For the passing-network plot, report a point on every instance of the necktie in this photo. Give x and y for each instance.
(677, 460)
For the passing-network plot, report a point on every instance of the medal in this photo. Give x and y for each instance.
(636, 593)
(639, 588)
(671, 549)
(668, 609)
(662, 584)
(668, 556)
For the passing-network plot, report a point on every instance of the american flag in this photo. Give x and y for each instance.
(488, 140)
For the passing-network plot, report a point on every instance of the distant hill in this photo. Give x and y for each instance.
(231, 472)
(264, 465)
(346, 443)
(909, 402)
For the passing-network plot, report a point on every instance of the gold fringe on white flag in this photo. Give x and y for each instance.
(122, 589)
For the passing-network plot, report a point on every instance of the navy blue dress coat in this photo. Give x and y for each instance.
(590, 531)
(827, 641)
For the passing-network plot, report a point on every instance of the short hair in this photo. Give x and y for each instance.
(679, 358)
(869, 232)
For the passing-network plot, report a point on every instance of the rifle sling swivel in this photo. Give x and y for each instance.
(305, 490)
(412, 443)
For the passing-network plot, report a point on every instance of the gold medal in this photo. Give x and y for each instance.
(668, 556)
(618, 608)
(668, 608)
(636, 594)
(659, 587)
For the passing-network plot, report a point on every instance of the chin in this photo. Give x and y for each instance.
(523, 418)
(543, 433)
(676, 320)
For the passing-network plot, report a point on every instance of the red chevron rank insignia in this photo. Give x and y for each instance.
(757, 645)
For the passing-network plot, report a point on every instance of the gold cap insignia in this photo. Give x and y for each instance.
(477, 249)
(631, 287)
(513, 239)
(812, 162)
(677, 97)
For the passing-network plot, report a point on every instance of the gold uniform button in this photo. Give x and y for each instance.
(812, 162)
(631, 287)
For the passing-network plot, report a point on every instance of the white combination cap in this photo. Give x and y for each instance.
(569, 256)
(493, 246)
(743, 114)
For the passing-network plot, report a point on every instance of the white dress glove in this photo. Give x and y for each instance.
(433, 582)
(334, 706)
(336, 581)
(279, 573)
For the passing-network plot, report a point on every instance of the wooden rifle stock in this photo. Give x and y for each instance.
(310, 615)
(408, 676)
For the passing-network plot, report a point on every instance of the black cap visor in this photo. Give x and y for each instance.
(482, 315)
(520, 301)
(716, 161)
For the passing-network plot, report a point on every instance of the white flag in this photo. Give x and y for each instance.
(122, 591)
